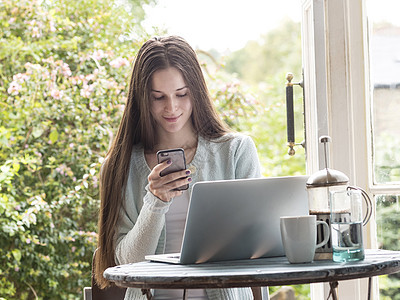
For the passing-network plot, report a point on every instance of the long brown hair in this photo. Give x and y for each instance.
(138, 127)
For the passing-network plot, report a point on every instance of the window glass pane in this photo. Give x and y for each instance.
(388, 231)
(385, 80)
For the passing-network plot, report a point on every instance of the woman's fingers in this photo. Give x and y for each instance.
(164, 187)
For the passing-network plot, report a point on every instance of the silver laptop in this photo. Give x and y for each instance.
(238, 219)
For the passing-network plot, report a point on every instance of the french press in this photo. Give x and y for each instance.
(319, 186)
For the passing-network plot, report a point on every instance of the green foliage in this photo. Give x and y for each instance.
(278, 51)
(269, 130)
(261, 69)
(261, 66)
(259, 110)
(387, 158)
(64, 67)
(388, 222)
(388, 231)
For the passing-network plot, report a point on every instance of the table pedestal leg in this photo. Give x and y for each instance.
(369, 288)
(333, 285)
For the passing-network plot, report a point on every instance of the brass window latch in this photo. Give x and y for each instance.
(290, 113)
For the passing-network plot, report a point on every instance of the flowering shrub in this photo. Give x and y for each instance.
(64, 68)
(64, 72)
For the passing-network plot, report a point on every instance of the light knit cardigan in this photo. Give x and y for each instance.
(141, 228)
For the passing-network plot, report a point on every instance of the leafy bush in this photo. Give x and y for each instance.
(388, 229)
(64, 68)
(259, 110)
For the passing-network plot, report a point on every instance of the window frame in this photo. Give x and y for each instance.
(335, 42)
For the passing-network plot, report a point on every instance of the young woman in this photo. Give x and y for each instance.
(142, 213)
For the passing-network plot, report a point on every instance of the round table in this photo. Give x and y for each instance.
(273, 271)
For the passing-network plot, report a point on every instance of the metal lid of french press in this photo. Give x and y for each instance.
(327, 176)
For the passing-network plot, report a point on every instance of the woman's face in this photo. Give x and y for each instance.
(171, 105)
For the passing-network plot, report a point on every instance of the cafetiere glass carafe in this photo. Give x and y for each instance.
(319, 187)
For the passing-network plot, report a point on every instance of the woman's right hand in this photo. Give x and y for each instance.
(164, 187)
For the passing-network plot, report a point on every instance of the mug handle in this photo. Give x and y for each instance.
(368, 203)
(327, 233)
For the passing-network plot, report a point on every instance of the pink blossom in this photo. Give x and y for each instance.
(85, 93)
(73, 249)
(53, 75)
(86, 90)
(56, 93)
(35, 27)
(110, 53)
(52, 26)
(99, 54)
(251, 99)
(90, 77)
(63, 170)
(92, 106)
(119, 62)
(32, 67)
(66, 70)
(14, 88)
(49, 60)
(45, 74)
(95, 181)
(20, 77)
(36, 32)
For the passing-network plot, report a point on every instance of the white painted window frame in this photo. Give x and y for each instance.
(337, 103)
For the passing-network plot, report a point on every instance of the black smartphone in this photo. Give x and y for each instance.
(177, 157)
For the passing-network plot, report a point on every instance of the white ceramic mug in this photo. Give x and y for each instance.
(299, 237)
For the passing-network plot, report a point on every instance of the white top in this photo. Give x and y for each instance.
(175, 220)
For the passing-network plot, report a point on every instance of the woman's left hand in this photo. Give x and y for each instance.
(164, 187)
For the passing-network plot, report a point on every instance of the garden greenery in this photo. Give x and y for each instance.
(64, 70)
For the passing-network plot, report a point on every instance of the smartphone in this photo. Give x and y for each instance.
(177, 157)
